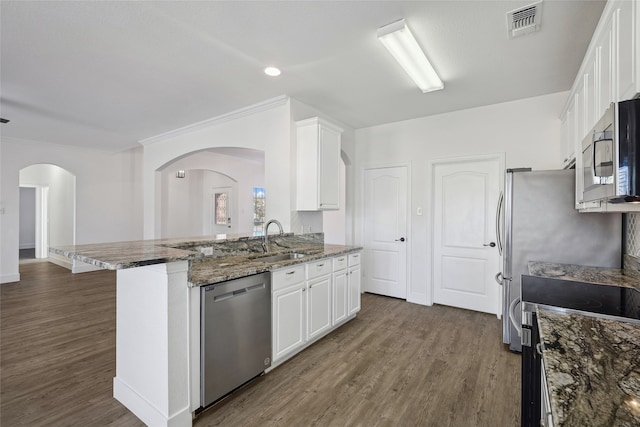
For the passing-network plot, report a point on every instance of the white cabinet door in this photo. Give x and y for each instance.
(289, 317)
(606, 49)
(340, 296)
(354, 280)
(318, 165)
(319, 300)
(329, 179)
(628, 69)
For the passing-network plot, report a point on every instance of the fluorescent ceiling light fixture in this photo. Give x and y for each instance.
(398, 40)
(272, 71)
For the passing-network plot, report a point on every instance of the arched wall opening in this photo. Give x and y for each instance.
(54, 221)
(188, 205)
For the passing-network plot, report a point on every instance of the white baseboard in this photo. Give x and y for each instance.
(27, 245)
(148, 413)
(62, 262)
(10, 278)
(418, 298)
(83, 267)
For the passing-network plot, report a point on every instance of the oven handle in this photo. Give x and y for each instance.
(512, 315)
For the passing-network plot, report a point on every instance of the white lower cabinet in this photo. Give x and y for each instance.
(354, 279)
(340, 290)
(288, 311)
(311, 299)
(319, 303)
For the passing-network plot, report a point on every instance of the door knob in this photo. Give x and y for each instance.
(400, 239)
(492, 244)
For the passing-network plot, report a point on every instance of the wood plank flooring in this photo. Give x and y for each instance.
(396, 364)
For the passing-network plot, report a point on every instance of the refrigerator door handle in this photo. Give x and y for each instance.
(512, 315)
(499, 278)
(498, 231)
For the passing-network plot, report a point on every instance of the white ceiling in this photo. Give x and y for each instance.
(108, 74)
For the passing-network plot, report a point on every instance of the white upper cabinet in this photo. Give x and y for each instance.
(628, 68)
(609, 73)
(318, 165)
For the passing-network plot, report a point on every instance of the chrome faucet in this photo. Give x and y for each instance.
(265, 236)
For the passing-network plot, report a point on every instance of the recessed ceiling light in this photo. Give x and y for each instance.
(272, 71)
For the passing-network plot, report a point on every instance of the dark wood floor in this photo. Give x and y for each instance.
(396, 364)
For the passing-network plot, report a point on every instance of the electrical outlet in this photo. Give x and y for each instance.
(1, 211)
(419, 212)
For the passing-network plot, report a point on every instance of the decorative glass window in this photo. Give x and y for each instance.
(221, 208)
(259, 209)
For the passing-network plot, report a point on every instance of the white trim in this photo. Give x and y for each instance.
(410, 296)
(147, 412)
(233, 115)
(9, 278)
(501, 157)
(27, 246)
(62, 262)
(83, 267)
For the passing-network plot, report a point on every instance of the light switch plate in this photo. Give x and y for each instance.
(419, 211)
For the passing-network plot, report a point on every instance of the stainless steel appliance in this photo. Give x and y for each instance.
(235, 334)
(568, 296)
(541, 224)
(611, 155)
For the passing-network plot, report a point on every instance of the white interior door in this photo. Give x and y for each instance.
(222, 220)
(385, 231)
(465, 255)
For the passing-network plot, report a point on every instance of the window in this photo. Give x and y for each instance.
(221, 208)
(259, 209)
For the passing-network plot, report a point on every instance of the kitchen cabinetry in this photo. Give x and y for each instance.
(609, 73)
(288, 311)
(340, 289)
(319, 297)
(311, 299)
(318, 165)
(354, 279)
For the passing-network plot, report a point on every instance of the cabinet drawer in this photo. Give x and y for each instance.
(354, 259)
(319, 268)
(340, 262)
(287, 276)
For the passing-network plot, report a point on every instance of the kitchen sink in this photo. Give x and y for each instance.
(279, 257)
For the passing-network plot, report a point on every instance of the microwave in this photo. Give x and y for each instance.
(611, 155)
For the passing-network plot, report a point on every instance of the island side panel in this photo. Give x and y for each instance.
(153, 323)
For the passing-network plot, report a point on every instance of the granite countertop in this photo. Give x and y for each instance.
(137, 253)
(207, 270)
(212, 259)
(592, 367)
(604, 276)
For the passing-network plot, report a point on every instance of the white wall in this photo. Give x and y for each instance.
(527, 130)
(27, 218)
(108, 194)
(264, 127)
(216, 170)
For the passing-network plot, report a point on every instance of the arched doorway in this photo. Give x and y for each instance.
(47, 210)
(209, 192)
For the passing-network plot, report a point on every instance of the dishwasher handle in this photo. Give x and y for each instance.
(238, 292)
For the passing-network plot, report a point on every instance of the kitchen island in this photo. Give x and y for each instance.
(158, 309)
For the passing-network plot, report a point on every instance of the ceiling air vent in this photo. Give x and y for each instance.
(524, 20)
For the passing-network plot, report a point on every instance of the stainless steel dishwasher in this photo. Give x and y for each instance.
(235, 334)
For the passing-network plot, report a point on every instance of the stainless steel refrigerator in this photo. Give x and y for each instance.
(542, 224)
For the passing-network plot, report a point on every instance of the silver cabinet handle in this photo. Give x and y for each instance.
(320, 265)
(539, 349)
(290, 272)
